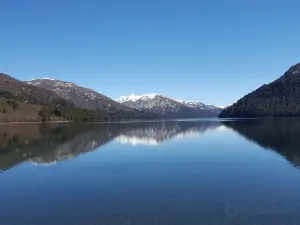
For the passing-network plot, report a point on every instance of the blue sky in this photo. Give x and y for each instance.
(214, 51)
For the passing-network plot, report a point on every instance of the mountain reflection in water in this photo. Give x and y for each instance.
(278, 134)
(229, 172)
(50, 143)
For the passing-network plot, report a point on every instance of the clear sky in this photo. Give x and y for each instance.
(213, 51)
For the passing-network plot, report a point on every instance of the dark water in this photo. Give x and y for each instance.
(180, 172)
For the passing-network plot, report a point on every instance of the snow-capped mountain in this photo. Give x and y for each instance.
(201, 105)
(168, 107)
(133, 97)
(81, 96)
(154, 103)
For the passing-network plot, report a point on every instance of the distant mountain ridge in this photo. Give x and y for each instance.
(168, 107)
(201, 105)
(280, 98)
(135, 98)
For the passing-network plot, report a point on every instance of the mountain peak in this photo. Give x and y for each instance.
(165, 106)
(42, 78)
(135, 98)
(189, 101)
(4, 76)
(39, 81)
(279, 98)
(295, 69)
(81, 96)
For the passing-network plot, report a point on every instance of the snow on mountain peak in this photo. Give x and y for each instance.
(190, 101)
(42, 78)
(148, 97)
(162, 105)
(57, 83)
(134, 97)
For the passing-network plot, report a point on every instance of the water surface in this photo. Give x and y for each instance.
(176, 172)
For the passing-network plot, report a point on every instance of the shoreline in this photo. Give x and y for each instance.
(124, 121)
(8, 123)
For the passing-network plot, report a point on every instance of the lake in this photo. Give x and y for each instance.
(184, 172)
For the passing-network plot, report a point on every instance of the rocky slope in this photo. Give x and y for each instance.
(14, 89)
(278, 99)
(89, 99)
(202, 106)
(81, 96)
(167, 107)
(21, 102)
(27, 102)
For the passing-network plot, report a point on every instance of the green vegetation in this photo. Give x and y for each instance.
(84, 115)
(280, 98)
(72, 114)
(22, 102)
(14, 111)
(6, 103)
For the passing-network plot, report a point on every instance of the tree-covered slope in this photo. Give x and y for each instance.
(277, 99)
(26, 102)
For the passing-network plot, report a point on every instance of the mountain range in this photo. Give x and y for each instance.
(23, 92)
(47, 99)
(168, 107)
(21, 102)
(86, 98)
(82, 97)
(280, 98)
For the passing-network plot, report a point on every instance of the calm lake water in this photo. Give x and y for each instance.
(176, 172)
